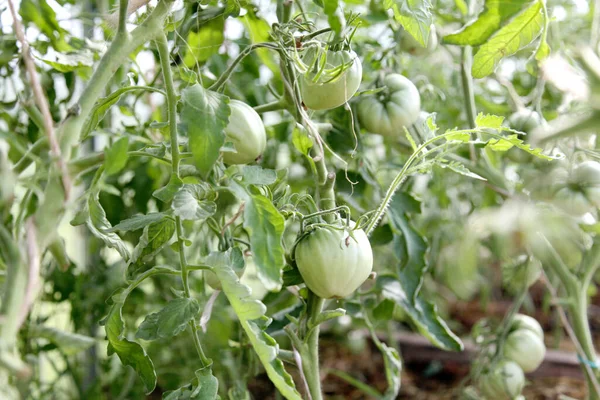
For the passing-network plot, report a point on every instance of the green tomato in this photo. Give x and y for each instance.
(524, 121)
(504, 382)
(323, 88)
(387, 113)
(410, 44)
(578, 192)
(332, 262)
(525, 347)
(523, 271)
(525, 322)
(247, 133)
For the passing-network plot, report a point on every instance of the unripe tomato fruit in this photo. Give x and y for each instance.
(388, 112)
(578, 192)
(525, 347)
(323, 90)
(504, 382)
(410, 44)
(247, 133)
(524, 121)
(525, 322)
(332, 262)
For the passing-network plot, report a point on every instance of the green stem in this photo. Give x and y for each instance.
(225, 76)
(467, 84)
(164, 55)
(506, 324)
(402, 175)
(581, 328)
(310, 353)
(119, 50)
(273, 106)
(122, 29)
(32, 154)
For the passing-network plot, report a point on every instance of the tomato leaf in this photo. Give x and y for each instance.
(494, 14)
(170, 321)
(115, 156)
(488, 121)
(137, 222)
(205, 42)
(510, 141)
(301, 141)
(190, 203)
(153, 239)
(518, 33)
(265, 226)
(335, 15)
(130, 353)
(414, 15)
(204, 116)
(166, 193)
(409, 245)
(66, 62)
(260, 31)
(100, 227)
(251, 316)
(204, 387)
(422, 313)
(457, 136)
(102, 106)
(256, 175)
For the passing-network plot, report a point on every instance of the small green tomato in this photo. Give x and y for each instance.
(247, 133)
(504, 382)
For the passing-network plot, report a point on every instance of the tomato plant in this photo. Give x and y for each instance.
(234, 200)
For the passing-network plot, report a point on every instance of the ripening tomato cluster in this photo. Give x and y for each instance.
(333, 260)
(523, 351)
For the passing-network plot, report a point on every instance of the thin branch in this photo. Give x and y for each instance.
(123, 13)
(512, 93)
(33, 278)
(41, 100)
(570, 332)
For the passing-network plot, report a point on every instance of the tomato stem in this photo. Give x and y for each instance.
(164, 55)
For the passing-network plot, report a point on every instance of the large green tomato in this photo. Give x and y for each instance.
(334, 262)
(504, 382)
(247, 133)
(578, 192)
(323, 88)
(388, 112)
